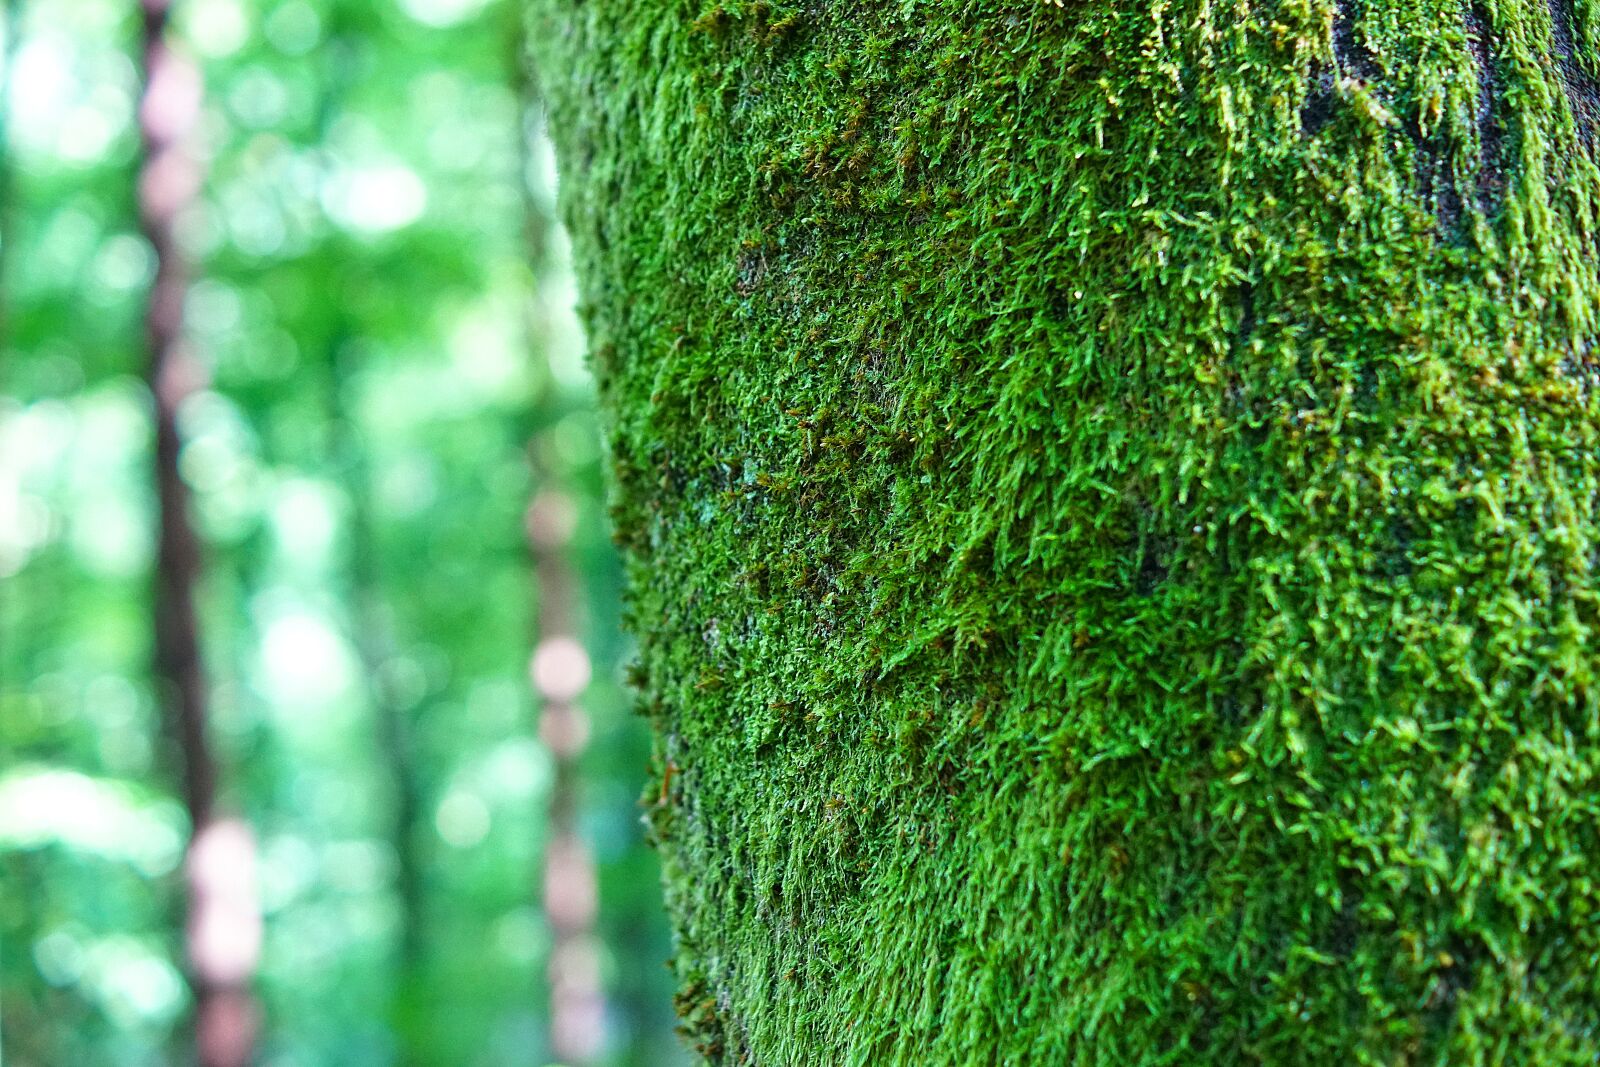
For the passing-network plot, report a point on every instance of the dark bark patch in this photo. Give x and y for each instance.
(1354, 60)
(1321, 101)
(1344, 936)
(1394, 557)
(1154, 566)
(1238, 345)
(1240, 404)
(751, 267)
(1491, 96)
(1247, 319)
(1580, 366)
(1455, 968)
(1350, 60)
(1437, 181)
(1582, 89)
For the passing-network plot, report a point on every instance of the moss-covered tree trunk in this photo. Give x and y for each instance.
(1111, 497)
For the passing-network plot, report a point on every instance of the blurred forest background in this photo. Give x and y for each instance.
(407, 606)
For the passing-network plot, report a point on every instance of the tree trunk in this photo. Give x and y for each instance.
(560, 672)
(1111, 498)
(11, 27)
(11, 22)
(370, 620)
(222, 932)
(394, 723)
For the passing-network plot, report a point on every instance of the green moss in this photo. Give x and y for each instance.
(1111, 498)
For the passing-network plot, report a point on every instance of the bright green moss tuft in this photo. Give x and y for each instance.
(1111, 496)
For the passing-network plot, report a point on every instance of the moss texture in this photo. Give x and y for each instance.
(1111, 497)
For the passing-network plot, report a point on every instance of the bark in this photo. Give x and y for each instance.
(1111, 499)
(222, 932)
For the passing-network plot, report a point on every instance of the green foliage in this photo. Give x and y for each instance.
(362, 308)
(1110, 496)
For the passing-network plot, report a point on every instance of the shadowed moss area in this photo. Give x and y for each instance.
(1111, 498)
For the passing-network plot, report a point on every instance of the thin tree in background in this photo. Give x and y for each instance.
(223, 931)
(11, 27)
(560, 670)
(371, 620)
(375, 649)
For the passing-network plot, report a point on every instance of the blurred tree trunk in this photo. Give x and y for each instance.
(560, 671)
(560, 668)
(374, 642)
(223, 931)
(11, 12)
(1112, 496)
(11, 26)
(396, 725)
(394, 722)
